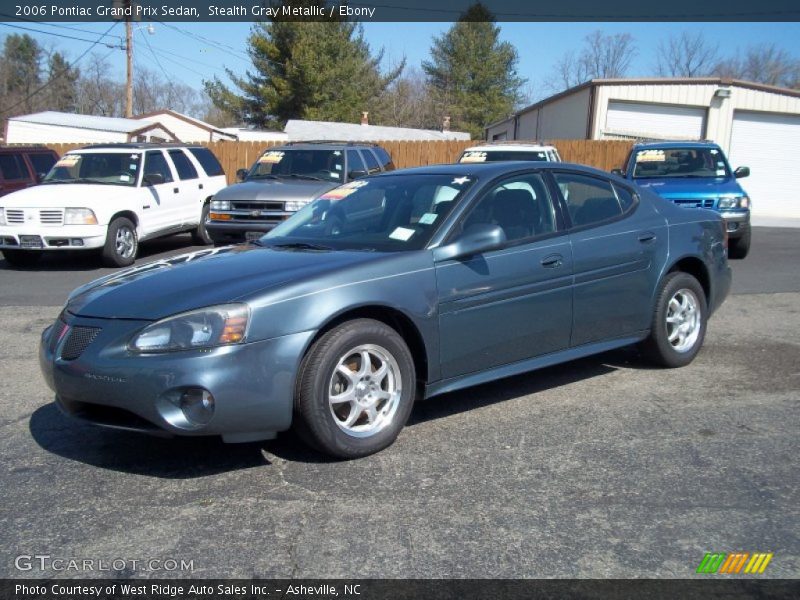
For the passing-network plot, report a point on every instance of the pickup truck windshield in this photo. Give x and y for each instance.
(471, 156)
(325, 165)
(388, 213)
(679, 163)
(119, 168)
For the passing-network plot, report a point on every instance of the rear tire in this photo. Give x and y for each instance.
(679, 322)
(355, 390)
(739, 248)
(121, 245)
(22, 258)
(200, 236)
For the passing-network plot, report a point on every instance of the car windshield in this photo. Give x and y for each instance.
(118, 168)
(679, 162)
(390, 213)
(325, 165)
(473, 156)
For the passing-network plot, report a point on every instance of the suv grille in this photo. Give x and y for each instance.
(51, 217)
(695, 202)
(257, 205)
(78, 340)
(15, 215)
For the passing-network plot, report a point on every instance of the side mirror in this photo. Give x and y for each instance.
(153, 179)
(476, 239)
(40, 177)
(741, 172)
(618, 172)
(241, 174)
(356, 174)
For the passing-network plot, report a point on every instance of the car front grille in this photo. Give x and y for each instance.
(78, 340)
(263, 206)
(695, 202)
(46, 216)
(51, 217)
(14, 215)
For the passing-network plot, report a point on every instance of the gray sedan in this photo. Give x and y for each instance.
(384, 291)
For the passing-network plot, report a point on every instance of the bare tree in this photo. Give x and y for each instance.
(764, 63)
(602, 57)
(686, 55)
(97, 93)
(408, 102)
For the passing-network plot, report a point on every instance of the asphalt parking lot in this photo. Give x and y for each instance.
(598, 468)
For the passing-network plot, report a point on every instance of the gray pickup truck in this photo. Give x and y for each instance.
(283, 180)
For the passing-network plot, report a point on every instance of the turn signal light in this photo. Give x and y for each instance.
(219, 216)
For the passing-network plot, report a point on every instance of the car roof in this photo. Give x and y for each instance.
(677, 144)
(138, 146)
(488, 170)
(324, 145)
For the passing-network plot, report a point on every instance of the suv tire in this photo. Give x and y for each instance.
(200, 236)
(122, 244)
(740, 247)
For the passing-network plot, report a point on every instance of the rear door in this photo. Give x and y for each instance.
(618, 245)
(14, 173)
(191, 193)
(515, 302)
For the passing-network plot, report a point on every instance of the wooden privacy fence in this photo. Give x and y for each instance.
(602, 154)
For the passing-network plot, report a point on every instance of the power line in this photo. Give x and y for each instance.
(53, 78)
(158, 62)
(56, 25)
(62, 35)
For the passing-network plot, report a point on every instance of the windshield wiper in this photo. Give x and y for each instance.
(304, 176)
(300, 246)
(262, 176)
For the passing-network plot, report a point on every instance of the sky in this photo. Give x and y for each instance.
(192, 52)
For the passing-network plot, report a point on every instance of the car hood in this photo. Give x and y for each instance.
(63, 195)
(204, 278)
(275, 189)
(705, 187)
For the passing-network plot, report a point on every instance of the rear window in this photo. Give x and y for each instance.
(384, 158)
(11, 167)
(183, 165)
(208, 161)
(42, 162)
(476, 156)
(372, 162)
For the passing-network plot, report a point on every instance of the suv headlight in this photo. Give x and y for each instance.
(2, 216)
(204, 328)
(294, 205)
(79, 216)
(220, 205)
(737, 202)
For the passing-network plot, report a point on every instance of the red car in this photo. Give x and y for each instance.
(24, 166)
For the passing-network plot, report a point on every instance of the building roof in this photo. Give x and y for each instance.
(60, 119)
(186, 118)
(720, 81)
(299, 130)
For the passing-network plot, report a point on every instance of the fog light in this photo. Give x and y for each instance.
(76, 242)
(197, 405)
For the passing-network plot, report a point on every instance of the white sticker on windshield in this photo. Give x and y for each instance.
(69, 160)
(428, 218)
(337, 166)
(720, 172)
(124, 177)
(402, 233)
(334, 175)
(713, 151)
(337, 153)
(132, 167)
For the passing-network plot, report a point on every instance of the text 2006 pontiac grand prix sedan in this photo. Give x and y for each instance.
(387, 290)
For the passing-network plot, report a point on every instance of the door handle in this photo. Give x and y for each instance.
(647, 236)
(175, 190)
(552, 261)
(200, 185)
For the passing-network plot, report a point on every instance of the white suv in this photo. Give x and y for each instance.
(110, 197)
(509, 151)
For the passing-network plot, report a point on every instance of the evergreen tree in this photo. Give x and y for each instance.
(472, 73)
(304, 70)
(62, 89)
(21, 72)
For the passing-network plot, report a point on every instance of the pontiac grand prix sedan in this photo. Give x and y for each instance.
(384, 291)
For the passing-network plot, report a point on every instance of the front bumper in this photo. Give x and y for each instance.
(252, 383)
(229, 232)
(65, 237)
(736, 222)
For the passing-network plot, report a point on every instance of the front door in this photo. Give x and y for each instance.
(161, 208)
(515, 302)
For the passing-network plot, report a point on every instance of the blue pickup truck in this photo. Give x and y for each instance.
(697, 175)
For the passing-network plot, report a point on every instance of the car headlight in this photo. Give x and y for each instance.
(734, 202)
(220, 205)
(294, 205)
(79, 216)
(2, 216)
(204, 328)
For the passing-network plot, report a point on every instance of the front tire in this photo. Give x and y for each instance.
(679, 322)
(121, 245)
(355, 389)
(740, 247)
(22, 258)
(200, 235)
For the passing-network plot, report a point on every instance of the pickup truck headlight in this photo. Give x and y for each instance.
(2, 216)
(204, 328)
(294, 205)
(79, 216)
(737, 202)
(220, 205)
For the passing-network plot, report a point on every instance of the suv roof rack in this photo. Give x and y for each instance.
(331, 142)
(143, 145)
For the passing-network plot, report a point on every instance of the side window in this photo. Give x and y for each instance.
(521, 206)
(208, 161)
(589, 200)
(354, 163)
(183, 165)
(372, 162)
(42, 162)
(625, 197)
(384, 158)
(155, 163)
(11, 168)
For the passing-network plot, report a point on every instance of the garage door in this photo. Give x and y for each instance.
(769, 144)
(658, 121)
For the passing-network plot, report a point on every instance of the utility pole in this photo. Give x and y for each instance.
(129, 57)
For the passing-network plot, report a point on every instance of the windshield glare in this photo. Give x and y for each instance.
(388, 213)
(108, 168)
(326, 165)
(680, 162)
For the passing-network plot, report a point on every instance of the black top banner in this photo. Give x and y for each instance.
(397, 10)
